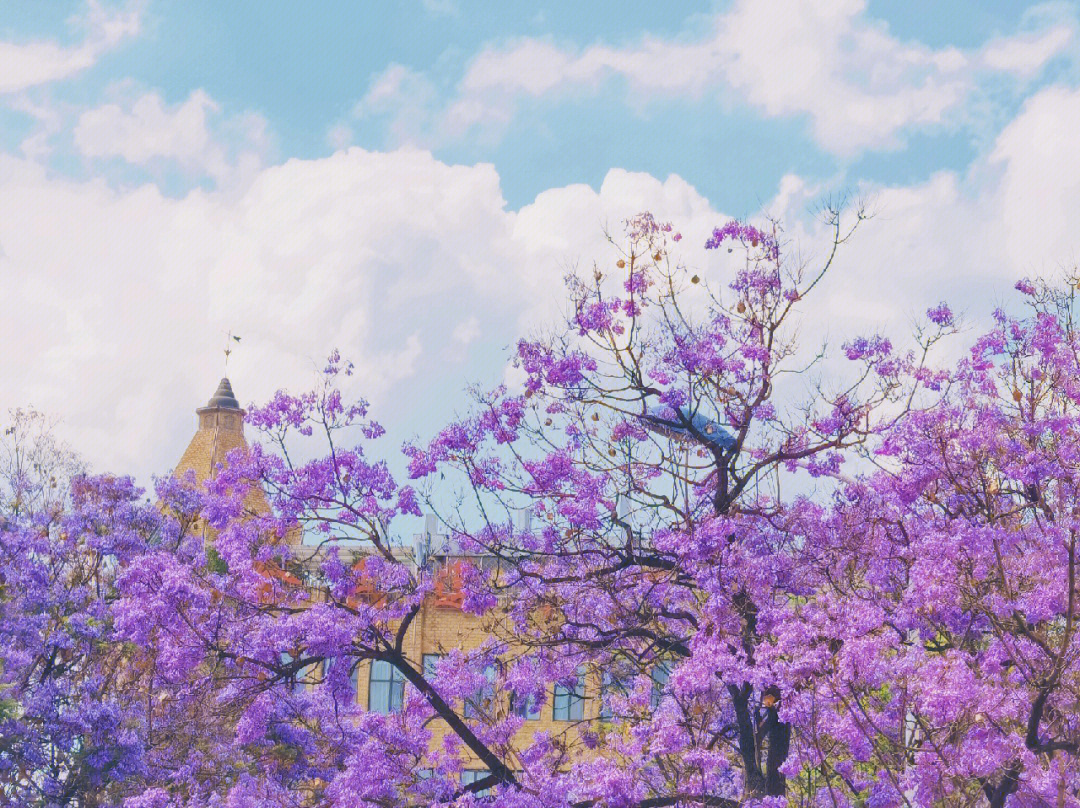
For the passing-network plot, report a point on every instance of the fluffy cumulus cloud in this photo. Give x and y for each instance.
(134, 290)
(33, 63)
(409, 264)
(858, 85)
(143, 130)
(400, 260)
(1036, 210)
(961, 237)
(418, 270)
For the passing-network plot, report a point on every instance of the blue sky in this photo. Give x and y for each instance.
(306, 68)
(408, 182)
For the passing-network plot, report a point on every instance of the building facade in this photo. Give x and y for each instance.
(440, 626)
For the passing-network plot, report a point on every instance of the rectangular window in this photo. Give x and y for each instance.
(386, 688)
(615, 682)
(569, 705)
(481, 702)
(660, 675)
(354, 673)
(470, 776)
(431, 662)
(525, 706)
(299, 681)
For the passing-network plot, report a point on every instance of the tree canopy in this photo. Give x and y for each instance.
(784, 586)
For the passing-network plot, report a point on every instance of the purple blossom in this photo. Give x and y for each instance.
(735, 230)
(941, 315)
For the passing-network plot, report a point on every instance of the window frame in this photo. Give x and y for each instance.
(394, 682)
(660, 675)
(354, 674)
(428, 663)
(298, 684)
(528, 708)
(485, 695)
(614, 681)
(470, 776)
(570, 702)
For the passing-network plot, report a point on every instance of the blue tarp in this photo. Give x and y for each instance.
(663, 419)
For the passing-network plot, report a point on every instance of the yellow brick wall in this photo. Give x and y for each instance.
(437, 630)
(221, 431)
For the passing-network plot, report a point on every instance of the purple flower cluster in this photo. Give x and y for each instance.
(746, 234)
(745, 622)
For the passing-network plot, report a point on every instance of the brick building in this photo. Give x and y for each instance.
(441, 624)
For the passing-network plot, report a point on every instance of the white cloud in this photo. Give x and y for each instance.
(859, 85)
(50, 121)
(143, 129)
(30, 64)
(133, 301)
(393, 257)
(1040, 181)
(147, 130)
(441, 8)
(1026, 54)
(339, 136)
(407, 97)
(466, 331)
(125, 296)
(964, 238)
(386, 87)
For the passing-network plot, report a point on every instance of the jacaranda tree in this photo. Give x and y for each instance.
(71, 701)
(776, 583)
(659, 446)
(934, 659)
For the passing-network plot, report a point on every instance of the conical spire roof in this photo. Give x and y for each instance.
(221, 429)
(223, 396)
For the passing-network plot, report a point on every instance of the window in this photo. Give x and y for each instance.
(470, 776)
(481, 701)
(614, 682)
(386, 688)
(660, 675)
(569, 705)
(354, 674)
(299, 681)
(525, 706)
(431, 662)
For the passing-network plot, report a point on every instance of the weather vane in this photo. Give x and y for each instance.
(229, 340)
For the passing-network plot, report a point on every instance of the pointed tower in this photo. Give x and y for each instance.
(221, 429)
